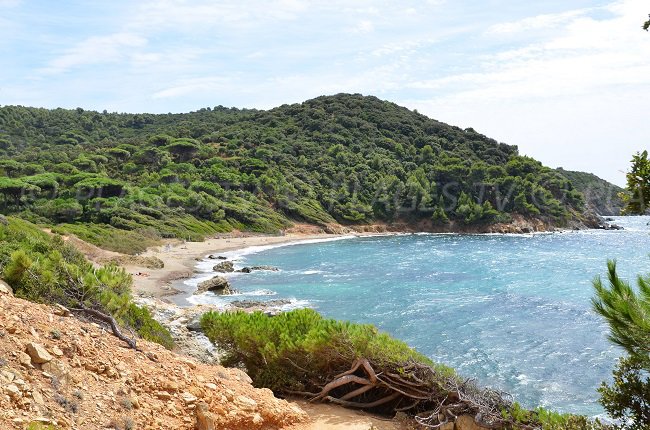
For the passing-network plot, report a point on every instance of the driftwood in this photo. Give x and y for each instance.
(417, 389)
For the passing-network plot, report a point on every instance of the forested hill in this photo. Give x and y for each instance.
(346, 159)
(601, 196)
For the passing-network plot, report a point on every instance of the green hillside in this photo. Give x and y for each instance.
(124, 180)
(600, 195)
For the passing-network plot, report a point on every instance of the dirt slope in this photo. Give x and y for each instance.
(56, 369)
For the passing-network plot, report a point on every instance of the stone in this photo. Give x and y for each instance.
(205, 420)
(56, 351)
(269, 268)
(38, 354)
(257, 419)
(7, 376)
(5, 288)
(38, 398)
(24, 359)
(218, 284)
(13, 391)
(224, 267)
(245, 403)
(61, 310)
(163, 395)
(189, 398)
(169, 386)
(58, 369)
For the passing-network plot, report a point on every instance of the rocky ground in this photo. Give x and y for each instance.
(55, 369)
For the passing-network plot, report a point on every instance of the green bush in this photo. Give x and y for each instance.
(45, 269)
(295, 350)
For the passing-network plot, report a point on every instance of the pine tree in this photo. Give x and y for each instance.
(628, 315)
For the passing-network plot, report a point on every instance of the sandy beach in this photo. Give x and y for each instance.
(180, 258)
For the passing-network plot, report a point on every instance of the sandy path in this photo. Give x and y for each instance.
(332, 417)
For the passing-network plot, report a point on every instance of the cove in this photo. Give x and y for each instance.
(512, 311)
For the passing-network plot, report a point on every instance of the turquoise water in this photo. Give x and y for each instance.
(512, 311)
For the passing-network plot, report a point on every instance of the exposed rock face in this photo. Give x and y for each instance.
(224, 267)
(84, 378)
(218, 284)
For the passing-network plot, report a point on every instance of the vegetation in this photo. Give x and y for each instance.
(628, 314)
(345, 158)
(601, 196)
(637, 197)
(43, 268)
(354, 365)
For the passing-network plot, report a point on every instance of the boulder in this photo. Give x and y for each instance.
(218, 284)
(270, 268)
(224, 267)
(217, 257)
(261, 304)
(38, 354)
(5, 288)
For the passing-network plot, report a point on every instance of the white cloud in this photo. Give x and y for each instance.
(97, 50)
(536, 22)
(364, 26)
(570, 93)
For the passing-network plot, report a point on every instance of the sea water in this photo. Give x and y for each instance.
(512, 311)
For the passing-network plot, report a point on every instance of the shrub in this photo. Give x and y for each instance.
(45, 269)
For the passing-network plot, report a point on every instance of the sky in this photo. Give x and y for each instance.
(567, 81)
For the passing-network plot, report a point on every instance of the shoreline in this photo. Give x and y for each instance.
(180, 258)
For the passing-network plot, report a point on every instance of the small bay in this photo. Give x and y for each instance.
(512, 311)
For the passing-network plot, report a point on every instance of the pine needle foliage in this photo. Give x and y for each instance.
(45, 269)
(627, 311)
(300, 350)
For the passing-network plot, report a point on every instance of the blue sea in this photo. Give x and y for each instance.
(512, 311)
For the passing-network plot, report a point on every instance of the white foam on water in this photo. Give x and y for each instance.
(312, 272)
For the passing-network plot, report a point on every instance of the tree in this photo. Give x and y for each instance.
(637, 197)
(628, 314)
(646, 24)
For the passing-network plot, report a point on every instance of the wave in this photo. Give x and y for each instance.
(260, 248)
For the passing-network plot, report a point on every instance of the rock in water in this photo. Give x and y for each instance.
(218, 284)
(250, 269)
(270, 268)
(224, 267)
